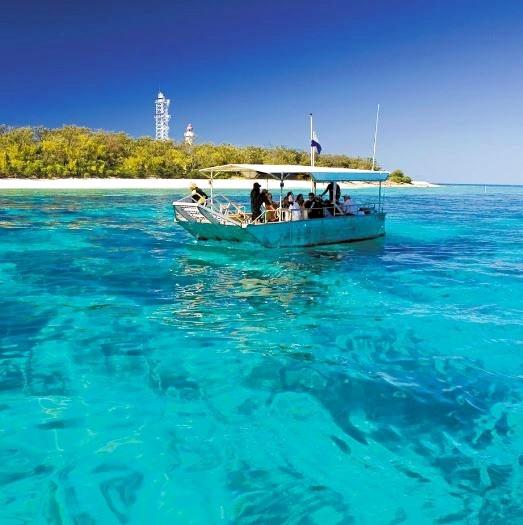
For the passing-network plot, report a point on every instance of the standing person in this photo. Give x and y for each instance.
(334, 192)
(256, 201)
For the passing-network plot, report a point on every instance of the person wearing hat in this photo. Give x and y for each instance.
(256, 201)
(197, 194)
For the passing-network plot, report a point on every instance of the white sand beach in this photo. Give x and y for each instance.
(175, 184)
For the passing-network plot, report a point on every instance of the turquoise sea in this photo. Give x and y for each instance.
(149, 379)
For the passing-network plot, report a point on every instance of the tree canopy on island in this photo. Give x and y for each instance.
(71, 151)
(398, 177)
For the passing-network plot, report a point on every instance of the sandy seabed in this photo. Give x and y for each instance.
(178, 184)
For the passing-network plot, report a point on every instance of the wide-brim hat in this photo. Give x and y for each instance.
(193, 186)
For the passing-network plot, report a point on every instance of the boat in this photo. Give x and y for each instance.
(219, 218)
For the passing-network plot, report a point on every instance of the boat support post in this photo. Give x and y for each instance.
(379, 199)
(281, 193)
(212, 173)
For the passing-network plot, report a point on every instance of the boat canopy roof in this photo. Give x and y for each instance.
(317, 173)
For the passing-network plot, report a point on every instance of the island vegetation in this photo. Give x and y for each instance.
(398, 177)
(77, 152)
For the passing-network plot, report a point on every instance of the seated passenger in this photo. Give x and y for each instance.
(287, 200)
(316, 208)
(309, 201)
(198, 195)
(307, 205)
(270, 208)
(297, 208)
(349, 207)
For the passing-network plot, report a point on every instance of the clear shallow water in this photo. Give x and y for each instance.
(145, 378)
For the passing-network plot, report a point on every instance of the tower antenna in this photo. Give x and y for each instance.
(161, 117)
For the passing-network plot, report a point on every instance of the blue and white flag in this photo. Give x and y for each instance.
(315, 144)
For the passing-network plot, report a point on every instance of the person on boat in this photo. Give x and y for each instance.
(287, 200)
(315, 207)
(198, 195)
(270, 207)
(308, 203)
(296, 208)
(256, 201)
(301, 202)
(334, 191)
(286, 205)
(349, 207)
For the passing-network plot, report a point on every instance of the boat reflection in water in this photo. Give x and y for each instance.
(218, 218)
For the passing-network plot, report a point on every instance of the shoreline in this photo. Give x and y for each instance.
(178, 184)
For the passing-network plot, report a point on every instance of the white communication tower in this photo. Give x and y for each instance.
(188, 136)
(162, 117)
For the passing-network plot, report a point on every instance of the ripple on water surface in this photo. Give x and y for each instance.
(146, 378)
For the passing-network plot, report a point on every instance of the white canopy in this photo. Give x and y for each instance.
(286, 170)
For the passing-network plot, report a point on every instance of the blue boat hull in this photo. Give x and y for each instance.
(311, 232)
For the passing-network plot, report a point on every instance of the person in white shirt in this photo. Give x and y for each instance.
(349, 207)
(296, 210)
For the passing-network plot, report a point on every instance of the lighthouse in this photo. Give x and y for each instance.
(188, 136)
(162, 117)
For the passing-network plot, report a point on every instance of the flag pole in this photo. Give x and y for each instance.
(375, 138)
(312, 149)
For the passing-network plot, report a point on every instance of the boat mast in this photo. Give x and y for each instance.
(312, 155)
(312, 135)
(281, 196)
(375, 138)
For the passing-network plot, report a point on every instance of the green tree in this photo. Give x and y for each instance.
(399, 177)
(73, 151)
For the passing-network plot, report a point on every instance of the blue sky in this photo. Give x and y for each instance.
(448, 75)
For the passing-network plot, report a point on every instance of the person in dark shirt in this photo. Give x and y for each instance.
(198, 195)
(332, 192)
(309, 206)
(256, 201)
(316, 208)
(309, 201)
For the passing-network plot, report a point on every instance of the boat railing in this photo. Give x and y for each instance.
(222, 205)
(218, 205)
(287, 214)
